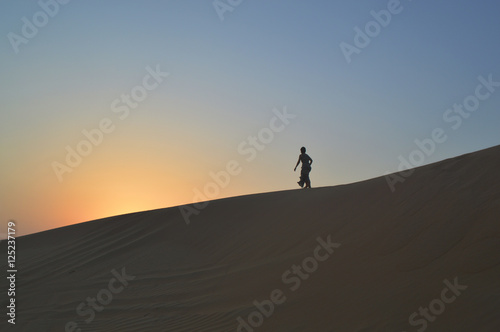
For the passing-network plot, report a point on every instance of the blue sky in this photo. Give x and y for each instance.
(225, 79)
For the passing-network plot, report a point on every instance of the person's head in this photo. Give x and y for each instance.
(303, 150)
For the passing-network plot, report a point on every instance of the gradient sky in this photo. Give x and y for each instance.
(226, 77)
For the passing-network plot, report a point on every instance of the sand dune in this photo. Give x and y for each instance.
(434, 242)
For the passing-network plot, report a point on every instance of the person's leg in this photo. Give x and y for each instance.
(307, 180)
(301, 182)
(303, 177)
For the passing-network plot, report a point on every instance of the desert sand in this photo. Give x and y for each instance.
(428, 252)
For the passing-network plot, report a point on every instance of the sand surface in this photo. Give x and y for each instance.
(392, 253)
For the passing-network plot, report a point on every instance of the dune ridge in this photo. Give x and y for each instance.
(395, 252)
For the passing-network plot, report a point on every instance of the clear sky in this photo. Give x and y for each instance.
(67, 68)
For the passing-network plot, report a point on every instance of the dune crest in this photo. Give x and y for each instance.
(252, 263)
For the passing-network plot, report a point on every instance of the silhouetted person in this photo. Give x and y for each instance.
(306, 168)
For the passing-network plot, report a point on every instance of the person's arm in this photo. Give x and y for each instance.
(298, 162)
(310, 161)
